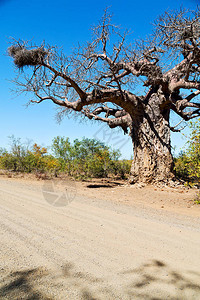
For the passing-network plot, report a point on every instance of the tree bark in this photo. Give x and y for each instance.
(153, 161)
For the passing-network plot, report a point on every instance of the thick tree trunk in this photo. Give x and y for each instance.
(153, 161)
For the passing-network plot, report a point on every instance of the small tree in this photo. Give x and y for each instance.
(193, 151)
(61, 148)
(91, 158)
(101, 81)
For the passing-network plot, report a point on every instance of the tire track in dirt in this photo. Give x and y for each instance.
(94, 251)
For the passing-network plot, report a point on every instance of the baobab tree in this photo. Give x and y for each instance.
(130, 86)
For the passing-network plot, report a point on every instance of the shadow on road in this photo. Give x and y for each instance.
(107, 184)
(157, 280)
(154, 280)
(21, 285)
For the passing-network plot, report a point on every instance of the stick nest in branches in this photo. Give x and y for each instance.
(23, 57)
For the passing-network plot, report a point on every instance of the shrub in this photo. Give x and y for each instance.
(188, 162)
(181, 166)
(193, 151)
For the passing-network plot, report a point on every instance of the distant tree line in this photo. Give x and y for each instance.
(81, 159)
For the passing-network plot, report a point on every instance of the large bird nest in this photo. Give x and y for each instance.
(24, 57)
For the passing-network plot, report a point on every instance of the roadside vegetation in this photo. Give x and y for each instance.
(82, 159)
(187, 164)
(90, 158)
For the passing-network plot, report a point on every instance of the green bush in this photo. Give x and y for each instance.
(121, 168)
(181, 166)
(193, 151)
(187, 164)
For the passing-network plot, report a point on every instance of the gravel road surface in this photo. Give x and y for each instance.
(93, 249)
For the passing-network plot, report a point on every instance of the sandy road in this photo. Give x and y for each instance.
(93, 249)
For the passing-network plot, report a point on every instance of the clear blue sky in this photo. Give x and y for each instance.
(64, 23)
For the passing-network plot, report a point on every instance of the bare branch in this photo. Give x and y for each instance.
(191, 96)
(52, 80)
(182, 84)
(122, 121)
(175, 129)
(80, 92)
(107, 69)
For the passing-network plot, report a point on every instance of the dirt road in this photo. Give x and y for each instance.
(94, 249)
